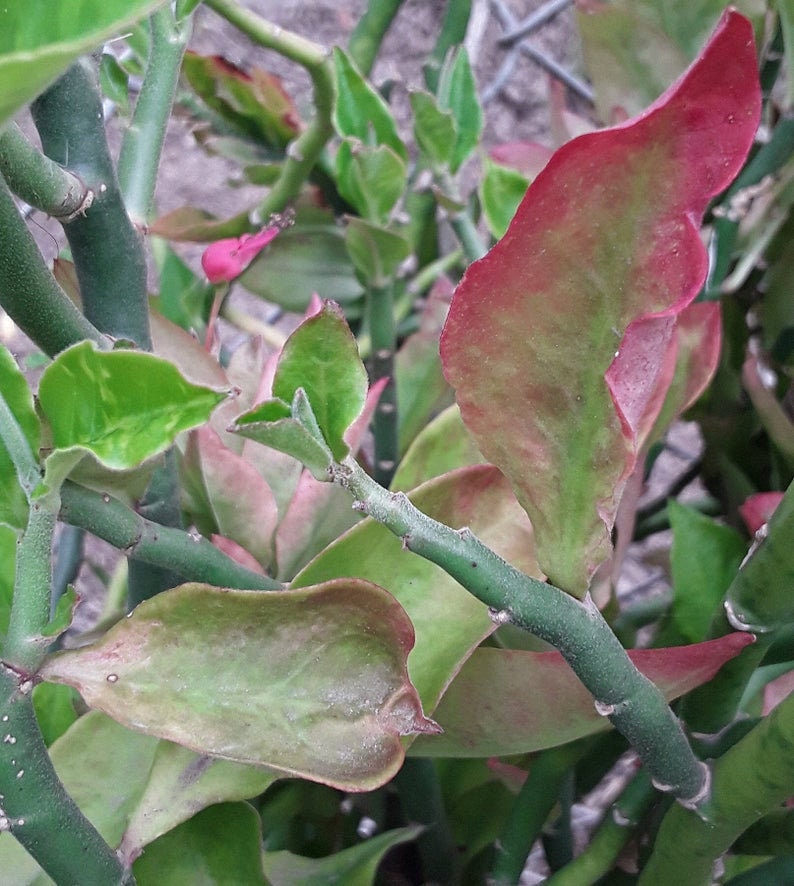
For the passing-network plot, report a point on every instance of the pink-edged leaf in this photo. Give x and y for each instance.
(449, 622)
(606, 235)
(510, 702)
(237, 553)
(242, 504)
(528, 158)
(758, 509)
(309, 682)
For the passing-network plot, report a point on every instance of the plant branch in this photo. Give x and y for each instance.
(304, 151)
(188, 555)
(106, 248)
(143, 141)
(749, 780)
(38, 181)
(34, 806)
(532, 807)
(631, 702)
(29, 292)
(368, 34)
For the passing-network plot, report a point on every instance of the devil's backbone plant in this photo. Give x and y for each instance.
(354, 606)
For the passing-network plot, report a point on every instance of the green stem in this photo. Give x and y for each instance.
(143, 141)
(37, 180)
(106, 248)
(367, 36)
(24, 646)
(631, 702)
(34, 806)
(305, 150)
(613, 833)
(530, 811)
(29, 292)
(752, 778)
(192, 557)
(420, 794)
(453, 32)
(383, 338)
(468, 235)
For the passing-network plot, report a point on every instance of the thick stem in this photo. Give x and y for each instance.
(190, 556)
(106, 248)
(453, 33)
(24, 646)
(34, 806)
(37, 180)
(752, 778)
(532, 807)
(305, 150)
(29, 292)
(420, 794)
(631, 702)
(468, 236)
(143, 141)
(383, 337)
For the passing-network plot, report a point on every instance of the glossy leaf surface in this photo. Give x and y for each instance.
(449, 622)
(606, 235)
(512, 702)
(310, 682)
(38, 41)
(121, 406)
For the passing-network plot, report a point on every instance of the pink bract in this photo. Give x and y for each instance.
(225, 260)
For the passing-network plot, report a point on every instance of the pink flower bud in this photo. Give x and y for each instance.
(226, 259)
(758, 509)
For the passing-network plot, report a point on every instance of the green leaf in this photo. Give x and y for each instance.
(15, 391)
(254, 104)
(305, 259)
(360, 112)
(56, 709)
(501, 191)
(114, 82)
(328, 700)
(376, 252)
(704, 560)
(448, 620)
(271, 424)
(481, 719)
(435, 130)
(219, 846)
(63, 615)
(457, 92)
(38, 41)
(321, 356)
(371, 178)
(184, 298)
(181, 783)
(603, 244)
(123, 407)
(354, 866)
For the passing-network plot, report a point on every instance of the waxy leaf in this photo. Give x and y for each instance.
(371, 178)
(506, 701)
(434, 129)
(449, 622)
(704, 560)
(37, 42)
(121, 406)
(254, 103)
(309, 682)
(605, 236)
(321, 357)
(221, 845)
(376, 252)
(457, 93)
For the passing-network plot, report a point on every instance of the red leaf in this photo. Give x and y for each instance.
(605, 237)
(481, 717)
